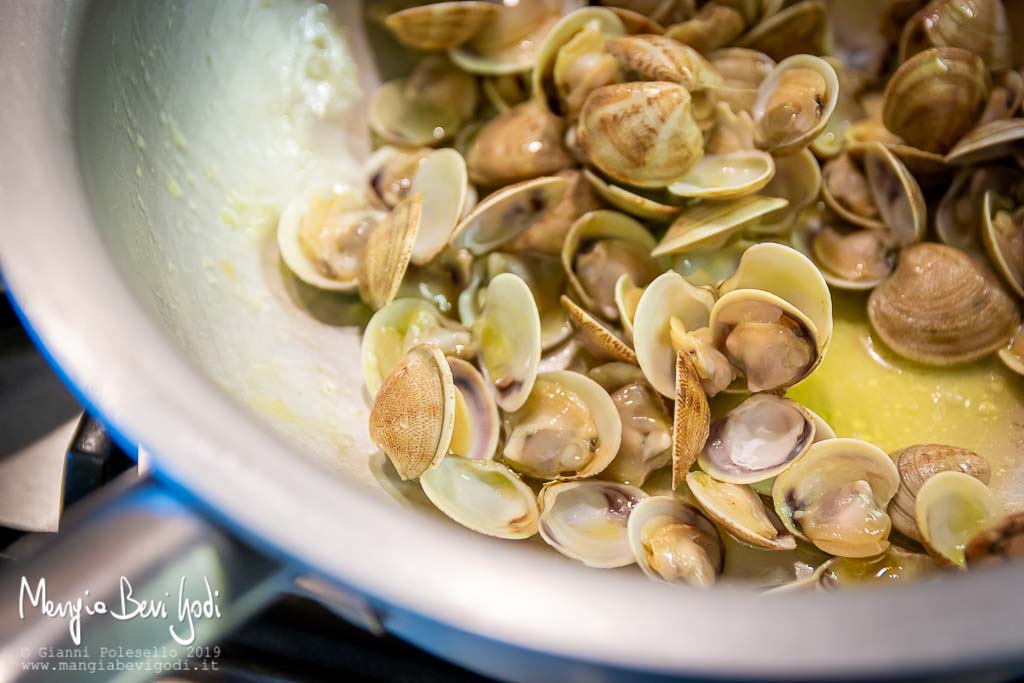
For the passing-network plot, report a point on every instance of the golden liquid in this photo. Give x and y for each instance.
(866, 391)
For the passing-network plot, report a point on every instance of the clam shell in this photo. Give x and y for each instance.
(726, 176)
(641, 134)
(998, 543)
(627, 297)
(441, 25)
(523, 143)
(442, 182)
(478, 429)
(836, 495)
(413, 415)
(714, 26)
(389, 173)
(709, 225)
(856, 261)
(935, 97)
(548, 233)
(794, 104)
(510, 42)
(989, 141)
(1004, 242)
(587, 521)
(800, 28)
(896, 194)
(659, 58)
(980, 26)
(951, 508)
(508, 330)
(797, 179)
(484, 496)
(662, 525)
(508, 213)
(668, 296)
(410, 122)
(637, 23)
(628, 201)
(597, 333)
(742, 72)
(956, 218)
(940, 307)
(388, 252)
(917, 464)
(894, 565)
(757, 440)
(692, 418)
(739, 511)
(730, 132)
(845, 190)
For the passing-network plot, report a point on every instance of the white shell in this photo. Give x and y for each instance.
(508, 331)
(667, 509)
(587, 520)
(951, 508)
(726, 176)
(709, 225)
(476, 431)
(443, 181)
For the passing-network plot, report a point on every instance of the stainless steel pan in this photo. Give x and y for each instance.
(142, 147)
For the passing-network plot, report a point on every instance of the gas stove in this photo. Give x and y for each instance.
(52, 455)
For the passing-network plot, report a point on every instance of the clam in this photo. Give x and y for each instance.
(477, 426)
(508, 213)
(893, 566)
(627, 297)
(918, 463)
(484, 496)
(835, 497)
(634, 202)
(413, 414)
(846, 191)
(797, 179)
(641, 134)
(1003, 233)
(401, 325)
(322, 235)
(646, 425)
(599, 337)
(425, 109)
(1012, 355)
(572, 61)
(389, 173)
(896, 194)
(739, 511)
(726, 176)
(794, 103)
(742, 72)
(998, 543)
(548, 233)
(757, 440)
(712, 27)
(541, 272)
(960, 214)
(856, 261)
(980, 26)
(730, 132)
(568, 428)
(441, 25)
(587, 520)
(668, 296)
(713, 369)
(941, 307)
(788, 274)
(951, 508)
(691, 420)
(801, 27)
(710, 225)
(508, 331)
(600, 247)
(510, 42)
(388, 250)
(935, 97)
(992, 140)
(523, 143)
(674, 542)
(441, 180)
(658, 58)
(1005, 99)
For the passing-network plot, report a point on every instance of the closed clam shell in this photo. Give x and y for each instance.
(641, 134)
(478, 427)
(739, 511)
(658, 58)
(668, 296)
(709, 225)
(388, 251)
(941, 307)
(799, 28)
(935, 97)
(920, 462)
(511, 211)
(794, 104)
(523, 143)
(726, 176)
(587, 520)
(599, 334)
(674, 542)
(997, 544)
(835, 496)
(413, 414)
(980, 26)
(484, 496)
(441, 180)
(988, 141)
(508, 331)
(1003, 234)
(632, 202)
(510, 42)
(896, 194)
(951, 508)
(440, 25)
(714, 26)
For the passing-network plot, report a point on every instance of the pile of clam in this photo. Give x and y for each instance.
(581, 223)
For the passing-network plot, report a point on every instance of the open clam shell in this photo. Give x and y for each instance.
(484, 496)
(441, 25)
(587, 521)
(568, 428)
(630, 201)
(601, 246)
(846, 191)
(477, 425)
(794, 104)
(835, 496)
(674, 542)
(757, 440)
(508, 331)
(442, 181)
(600, 336)
(1002, 230)
(726, 176)
(691, 418)
(425, 109)
(896, 194)
(855, 261)
(388, 251)
(401, 325)
(627, 297)
(797, 179)
(951, 508)
(510, 42)
(742, 72)
(508, 213)
(713, 26)
(321, 236)
(989, 141)
(413, 414)
(709, 225)
(956, 218)
(739, 511)
(668, 296)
